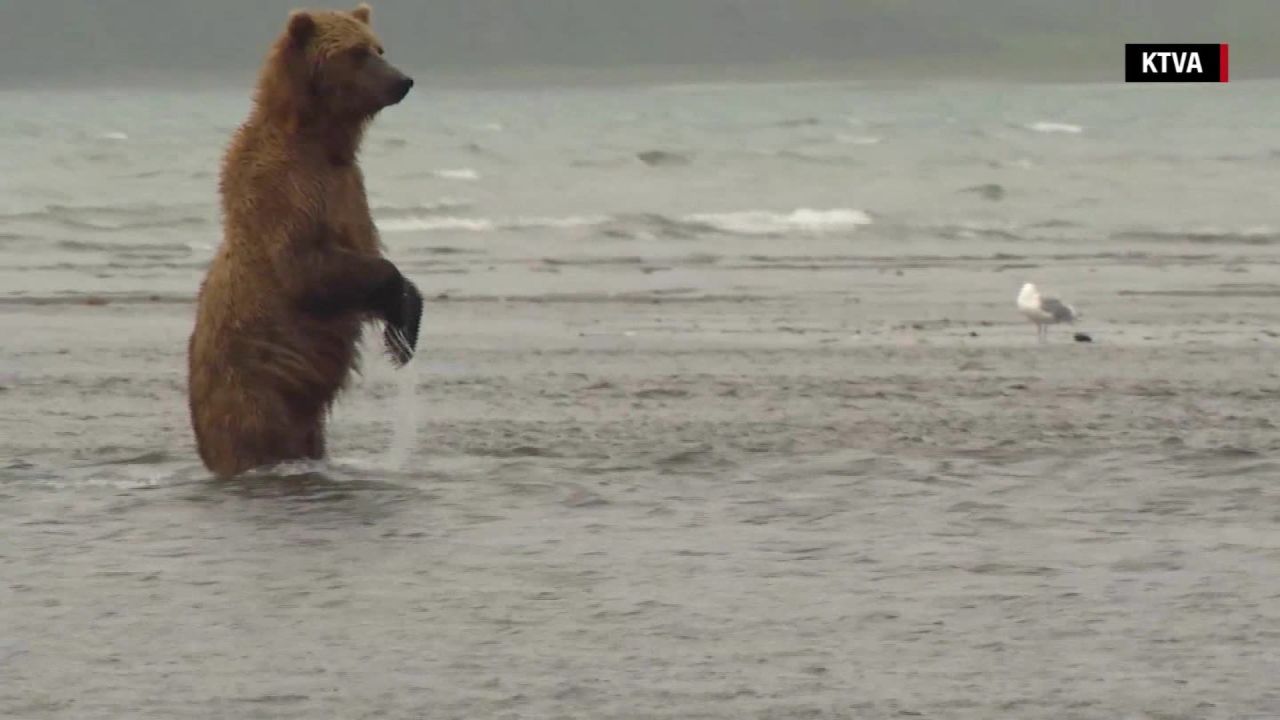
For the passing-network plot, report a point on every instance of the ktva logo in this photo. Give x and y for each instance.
(1175, 63)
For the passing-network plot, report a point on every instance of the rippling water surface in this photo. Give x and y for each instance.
(722, 410)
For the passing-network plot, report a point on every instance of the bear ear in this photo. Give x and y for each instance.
(363, 13)
(301, 27)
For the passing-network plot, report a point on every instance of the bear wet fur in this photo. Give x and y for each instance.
(300, 266)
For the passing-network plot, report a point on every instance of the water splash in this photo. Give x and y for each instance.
(404, 420)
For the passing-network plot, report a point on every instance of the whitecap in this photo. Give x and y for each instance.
(858, 139)
(750, 222)
(570, 221)
(414, 223)
(422, 223)
(114, 135)
(463, 174)
(763, 222)
(1055, 127)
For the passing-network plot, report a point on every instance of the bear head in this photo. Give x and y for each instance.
(328, 67)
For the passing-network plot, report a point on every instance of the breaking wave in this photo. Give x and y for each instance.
(461, 174)
(428, 223)
(747, 223)
(1055, 127)
(760, 222)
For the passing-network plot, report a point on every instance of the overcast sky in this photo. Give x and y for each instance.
(47, 41)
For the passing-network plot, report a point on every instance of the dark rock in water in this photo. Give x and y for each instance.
(1081, 337)
(990, 191)
(661, 158)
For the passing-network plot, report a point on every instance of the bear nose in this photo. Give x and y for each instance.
(403, 87)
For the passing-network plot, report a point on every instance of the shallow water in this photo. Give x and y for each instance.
(701, 443)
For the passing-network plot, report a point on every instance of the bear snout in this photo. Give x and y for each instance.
(401, 88)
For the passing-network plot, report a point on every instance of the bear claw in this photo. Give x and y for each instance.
(402, 339)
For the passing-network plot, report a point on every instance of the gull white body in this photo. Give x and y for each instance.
(1044, 311)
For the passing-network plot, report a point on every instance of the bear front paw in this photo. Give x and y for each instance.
(401, 332)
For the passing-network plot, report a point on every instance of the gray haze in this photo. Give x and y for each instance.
(132, 40)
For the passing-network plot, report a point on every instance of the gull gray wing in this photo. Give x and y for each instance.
(1060, 311)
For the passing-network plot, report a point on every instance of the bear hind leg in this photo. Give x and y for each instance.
(259, 436)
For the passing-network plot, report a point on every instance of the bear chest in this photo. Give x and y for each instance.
(346, 212)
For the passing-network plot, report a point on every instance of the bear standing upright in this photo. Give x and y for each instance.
(300, 266)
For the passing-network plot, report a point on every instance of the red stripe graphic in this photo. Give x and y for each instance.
(1222, 62)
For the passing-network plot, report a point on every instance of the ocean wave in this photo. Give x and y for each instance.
(1045, 126)
(115, 218)
(845, 139)
(632, 225)
(969, 230)
(437, 223)
(426, 223)
(816, 157)
(762, 222)
(123, 248)
(114, 211)
(461, 174)
(1262, 235)
(1053, 229)
(441, 206)
(157, 224)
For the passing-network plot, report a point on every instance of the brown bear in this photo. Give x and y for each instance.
(300, 266)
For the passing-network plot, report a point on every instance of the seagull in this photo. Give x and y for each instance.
(1044, 311)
